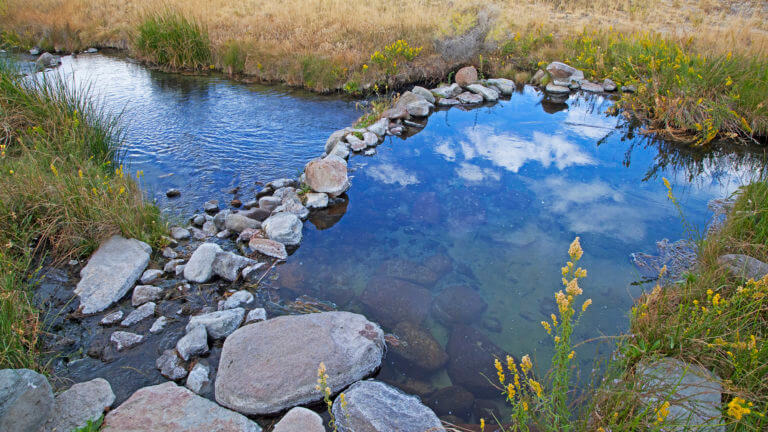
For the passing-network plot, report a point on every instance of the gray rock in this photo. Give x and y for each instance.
(237, 222)
(34, 51)
(220, 219)
(538, 77)
(145, 293)
(227, 265)
(150, 276)
(169, 253)
(80, 403)
(26, 400)
(158, 325)
(505, 86)
(180, 270)
(380, 127)
(268, 247)
(317, 200)
(370, 139)
(123, 339)
(426, 94)
(283, 183)
(355, 143)
(198, 377)
(591, 87)
(341, 150)
(373, 406)
(420, 108)
(256, 315)
(628, 89)
(219, 324)
(609, 85)
(284, 228)
(693, 392)
(198, 220)
(237, 299)
(209, 228)
(283, 192)
(300, 419)
(369, 152)
(449, 91)
(140, 313)
(170, 365)
(488, 95)
(170, 266)
(112, 318)
(447, 102)
(111, 272)
(470, 98)
(168, 407)
(292, 204)
(561, 71)
(250, 381)
(198, 234)
(194, 343)
(269, 203)
(557, 89)
(251, 273)
(92, 50)
(200, 266)
(179, 233)
(211, 206)
(744, 266)
(47, 60)
(334, 139)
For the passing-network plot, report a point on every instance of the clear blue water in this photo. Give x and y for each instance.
(488, 199)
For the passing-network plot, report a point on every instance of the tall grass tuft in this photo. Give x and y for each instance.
(62, 191)
(173, 40)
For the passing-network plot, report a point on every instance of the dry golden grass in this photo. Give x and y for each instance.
(277, 35)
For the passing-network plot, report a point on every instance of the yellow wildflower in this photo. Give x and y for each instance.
(546, 327)
(586, 304)
(571, 354)
(573, 287)
(511, 364)
(562, 302)
(662, 413)
(510, 391)
(482, 425)
(54, 170)
(554, 319)
(575, 250)
(736, 408)
(536, 387)
(557, 339)
(122, 191)
(525, 406)
(526, 364)
(499, 370)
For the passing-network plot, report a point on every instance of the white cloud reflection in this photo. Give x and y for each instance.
(391, 174)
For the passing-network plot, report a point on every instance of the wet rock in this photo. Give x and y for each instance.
(256, 315)
(237, 299)
(194, 343)
(591, 87)
(47, 60)
(370, 139)
(170, 366)
(237, 222)
(562, 71)
(373, 406)
(424, 93)
(145, 293)
(80, 403)
(170, 266)
(283, 183)
(678, 257)
(744, 266)
(179, 233)
(486, 408)
(317, 200)
(488, 95)
(26, 400)
(258, 214)
(198, 378)
(112, 318)
(458, 304)
(284, 228)
(335, 139)
(466, 76)
(469, 98)
(293, 205)
(220, 219)
(272, 365)
(123, 339)
(557, 89)
(228, 265)
(492, 324)
(409, 271)
(693, 392)
(34, 51)
(609, 85)
(140, 313)
(218, 324)
(268, 247)
(439, 263)
(369, 152)
(448, 92)
(168, 407)
(235, 203)
(158, 325)
(420, 108)
(251, 273)
(169, 253)
(447, 102)
(198, 220)
(246, 235)
(209, 228)
(173, 193)
(211, 206)
(380, 127)
(111, 271)
(419, 347)
(341, 150)
(300, 420)
(355, 143)
(452, 400)
(180, 270)
(505, 86)
(471, 355)
(200, 266)
(391, 300)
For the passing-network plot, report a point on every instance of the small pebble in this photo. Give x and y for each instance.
(172, 193)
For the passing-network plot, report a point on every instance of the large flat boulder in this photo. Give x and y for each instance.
(373, 406)
(272, 365)
(168, 407)
(26, 400)
(111, 271)
(744, 266)
(80, 403)
(328, 175)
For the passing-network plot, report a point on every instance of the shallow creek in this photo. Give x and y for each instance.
(486, 200)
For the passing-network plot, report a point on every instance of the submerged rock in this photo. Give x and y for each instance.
(111, 272)
(300, 420)
(458, 304)
(419, 347)
(80, 403)
(142, 312)
(392, 300)
(284, 228)
(200, 266)
(471, 355)
(26, 400)
(168, 407)
(170, 365)
(452, 400)
(373, 406)
(408, 270)
(272, 365)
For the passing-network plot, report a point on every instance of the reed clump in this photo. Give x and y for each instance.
(171, 39)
